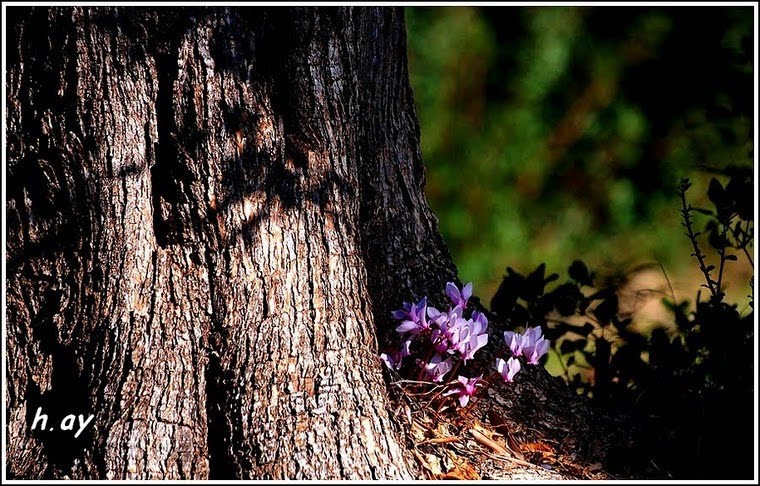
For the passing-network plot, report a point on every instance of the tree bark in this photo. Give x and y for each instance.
(187, 236)
(211, 213)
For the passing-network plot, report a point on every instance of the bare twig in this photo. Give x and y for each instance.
(665, 274)
(481, 438)
(686, 214)
(507, 459)
(746, 241)
(440, 440)
(722, 253)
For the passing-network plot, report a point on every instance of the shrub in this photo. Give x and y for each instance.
(688, 385)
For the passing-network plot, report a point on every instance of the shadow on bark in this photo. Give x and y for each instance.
(285, 158)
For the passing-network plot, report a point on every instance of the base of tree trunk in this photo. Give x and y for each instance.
(533, 428)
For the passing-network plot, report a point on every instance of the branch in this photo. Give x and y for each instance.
(686, 214)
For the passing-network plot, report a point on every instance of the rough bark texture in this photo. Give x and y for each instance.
(211, 213)
(186, 256)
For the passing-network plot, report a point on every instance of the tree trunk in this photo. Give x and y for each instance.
(211, 213)
(195, 200)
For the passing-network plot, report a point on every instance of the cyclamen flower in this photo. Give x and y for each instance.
(415, 318)
(394, 360)
(535, 346)
(508, 369)
(481, 318)
(442, 319)
(403, 313)
(441, 345)
(515, 341)
(437, 368)
(410, 312)
(441, 342)
(458, 297)
(458, 335)
(465, 388)
(475, 339)
(534, 352)
(534, 334)
(531, 344)
(444, 338)
(478, 323)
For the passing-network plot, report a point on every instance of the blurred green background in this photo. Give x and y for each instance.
(556, 133)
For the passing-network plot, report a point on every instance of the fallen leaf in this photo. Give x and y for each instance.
(434, 462)
(536, 447)
(463, 471)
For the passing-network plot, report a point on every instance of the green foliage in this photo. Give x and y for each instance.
(689, 383)
(554, 132)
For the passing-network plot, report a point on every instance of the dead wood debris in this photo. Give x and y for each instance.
(478, 443)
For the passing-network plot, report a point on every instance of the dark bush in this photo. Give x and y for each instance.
(689, 384)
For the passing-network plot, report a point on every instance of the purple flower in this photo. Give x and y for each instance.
(437, 368)
(441, 319)
(508, 369)
(535, 350)
(472, 337)
(404, 351)
(531, 344)
(409, 311)
(481, 318)
(478, 324)
(458, 335)
(455, 334)
(465, 388)
(415, 318)
(458, 297)
(515, 341)
(441, 342)
(393, 360)
(445, 338)
(403, 313)
(534, 334)
(534, 345)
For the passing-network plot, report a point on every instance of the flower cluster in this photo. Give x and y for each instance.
(451, 339)
(532, 344)
(449, 333)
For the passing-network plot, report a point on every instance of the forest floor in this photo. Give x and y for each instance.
(470, 449)
(511, 433)
(537, 428)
